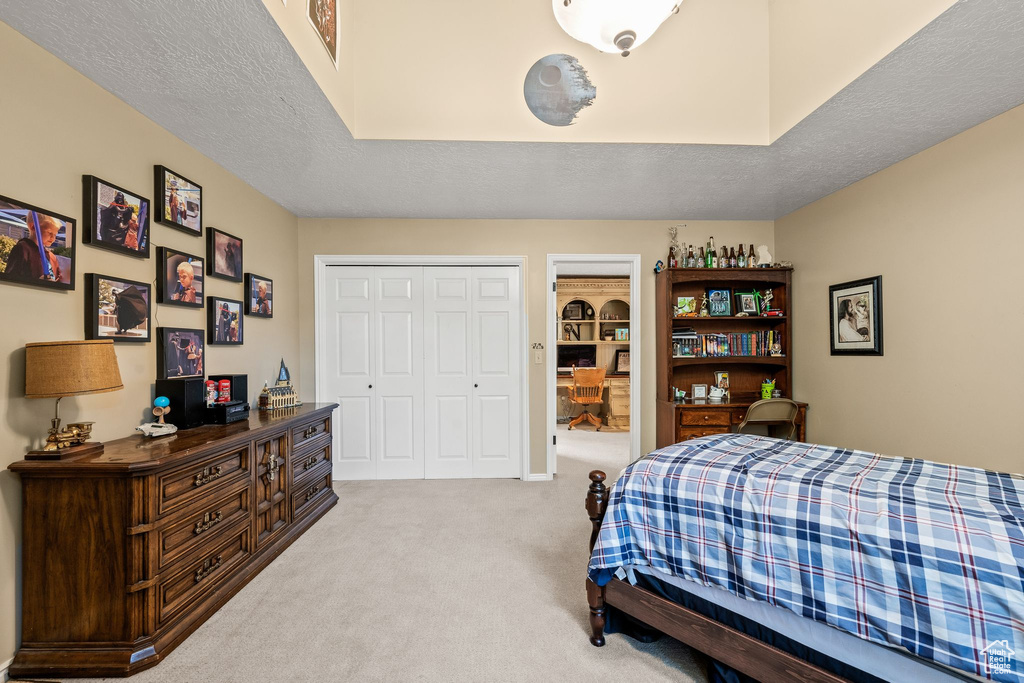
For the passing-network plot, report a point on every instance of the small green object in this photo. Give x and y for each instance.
(767, 388)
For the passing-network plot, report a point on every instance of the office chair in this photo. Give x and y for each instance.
(586, 390)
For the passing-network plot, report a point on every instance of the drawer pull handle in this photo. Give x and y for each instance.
(208, 568)
(311, 431)
(208, 522)
(272, 463)
(311, 462)
(207, 475)
(312, 491)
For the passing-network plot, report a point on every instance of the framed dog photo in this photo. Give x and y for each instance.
(117, 309)
(181, 201)
(37, 246)
(855, 317)
(223, 255)
(259, 296)
(223, 321)
(115, 218)
(179, 278)
(179, 352)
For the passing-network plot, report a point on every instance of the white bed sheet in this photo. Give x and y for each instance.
(886, 663)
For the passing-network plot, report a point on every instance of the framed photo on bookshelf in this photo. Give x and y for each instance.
(573, 311)
(748, 302)
(622, 361)
(720, 302)
(699, 391)
(855, 317)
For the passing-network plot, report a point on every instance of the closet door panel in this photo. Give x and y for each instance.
(448, 372)
(398, 385)
(348, 371)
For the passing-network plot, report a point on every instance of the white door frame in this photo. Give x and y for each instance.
(320, 265)
(635, 402)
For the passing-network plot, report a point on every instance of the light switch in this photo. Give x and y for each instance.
(538, 356)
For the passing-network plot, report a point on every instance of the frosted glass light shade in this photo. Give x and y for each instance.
(613, 25)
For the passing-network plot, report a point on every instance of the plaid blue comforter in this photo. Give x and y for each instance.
(907, 552)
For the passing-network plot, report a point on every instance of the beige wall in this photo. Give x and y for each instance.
(943, 229)
(534, 239)
(818, 47)
(58, 126)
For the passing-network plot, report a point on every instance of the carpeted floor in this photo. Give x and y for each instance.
(456, 580)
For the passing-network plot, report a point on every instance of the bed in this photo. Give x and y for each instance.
(791, 561)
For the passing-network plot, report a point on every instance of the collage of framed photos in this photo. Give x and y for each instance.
(38, 248)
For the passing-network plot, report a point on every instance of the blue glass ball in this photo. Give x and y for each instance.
(162, 402)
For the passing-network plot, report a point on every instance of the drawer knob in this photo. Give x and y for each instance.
(311, 431)
(311, 462)
(208, 568)
(707, 417)
(207, 475)
(312, 491)
(209, 521)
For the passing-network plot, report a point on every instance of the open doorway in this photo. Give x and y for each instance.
(593, 359)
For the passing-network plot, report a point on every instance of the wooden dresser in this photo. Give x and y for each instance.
(690, 419)
(126, 553)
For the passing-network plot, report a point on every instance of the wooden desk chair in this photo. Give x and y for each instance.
(770, 412)
(586, 390)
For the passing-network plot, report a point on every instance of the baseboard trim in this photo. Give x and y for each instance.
(540, 477)
(4, 666)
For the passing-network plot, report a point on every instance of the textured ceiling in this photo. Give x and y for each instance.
(221, 76)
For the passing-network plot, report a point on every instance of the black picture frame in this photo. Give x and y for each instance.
(217, 328)
(253, 305)
(127, 309)
(13, 211)
(170, 348)
(574, 310)
(720, 307)
(93, 221)
(855, 308)
(167, 285)
(213, 236)
(619, 355)
(741, 306)
(193, 205)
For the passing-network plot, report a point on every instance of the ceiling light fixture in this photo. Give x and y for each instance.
(613, 25)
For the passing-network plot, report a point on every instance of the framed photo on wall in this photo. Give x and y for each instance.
(37, 246)
(118, 309)
(180, 201)
(115, 218)
(223, 255)
(323, 16)
(224, 321)
(179, 352)
(855, 317)
(259, 296)
(179, 278)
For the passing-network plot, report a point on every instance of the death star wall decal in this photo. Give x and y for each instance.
(557, 89)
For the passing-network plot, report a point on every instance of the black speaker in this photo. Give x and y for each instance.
(188, 401)
(239, 386)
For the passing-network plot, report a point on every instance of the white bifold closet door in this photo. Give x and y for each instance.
(424, 363)
(472, 372)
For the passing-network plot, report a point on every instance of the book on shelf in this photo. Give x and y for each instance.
(689, 344)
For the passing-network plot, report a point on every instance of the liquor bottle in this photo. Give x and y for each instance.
(732, 257)
(702, 259)
(691, 260)
(741, 258)
(672, 258)
(751, 258)
(723, 261)
(710, 261)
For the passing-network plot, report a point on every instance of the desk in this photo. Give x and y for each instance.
(689, 419)
(616, 406)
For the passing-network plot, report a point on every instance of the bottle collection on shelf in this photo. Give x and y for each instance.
(708, 257)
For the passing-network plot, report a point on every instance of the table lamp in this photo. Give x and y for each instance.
(69, 368)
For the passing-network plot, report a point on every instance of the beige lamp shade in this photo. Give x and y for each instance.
(71, 368)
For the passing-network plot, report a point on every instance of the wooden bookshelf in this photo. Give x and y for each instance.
(745, 372)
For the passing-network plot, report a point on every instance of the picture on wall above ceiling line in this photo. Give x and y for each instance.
(557, 89)
(323, 15)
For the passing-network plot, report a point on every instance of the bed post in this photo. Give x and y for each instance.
(597, 503)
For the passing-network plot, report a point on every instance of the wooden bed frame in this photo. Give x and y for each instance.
(723, 643)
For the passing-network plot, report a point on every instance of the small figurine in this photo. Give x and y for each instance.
(776, 350)
(659, 266)
(674, 248)
(764, 257)
(704, 313)
(161, 406)
(282, 394)
(768, 296)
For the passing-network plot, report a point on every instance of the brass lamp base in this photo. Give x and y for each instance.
(65, 453)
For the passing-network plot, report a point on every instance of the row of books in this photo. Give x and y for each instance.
(686, 343)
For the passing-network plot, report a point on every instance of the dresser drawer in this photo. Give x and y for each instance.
(310, 430)
(306, 496)
(303, 464)
(687, 434)
(705, 417)
(190, 580)
(181, 486)
(201, 524)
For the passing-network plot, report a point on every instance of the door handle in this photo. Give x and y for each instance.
(371, 386)
(476, 386)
